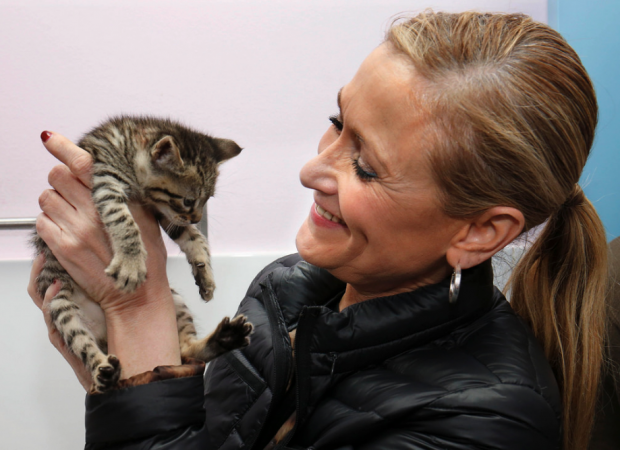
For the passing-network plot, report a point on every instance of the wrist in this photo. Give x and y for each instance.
(142, 332)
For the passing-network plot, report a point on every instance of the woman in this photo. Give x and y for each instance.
(457, 134)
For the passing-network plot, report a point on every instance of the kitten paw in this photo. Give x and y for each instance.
(233, 334)
(106, 375)
(128, 273)
(204, 280)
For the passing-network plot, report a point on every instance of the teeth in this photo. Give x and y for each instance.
(327, 215)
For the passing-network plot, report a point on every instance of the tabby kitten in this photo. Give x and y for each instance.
(173, 170)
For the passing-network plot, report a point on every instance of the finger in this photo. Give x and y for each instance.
(56, 208)
(77, 159)
(49, 231)
(33, 289)
(52, 291)
(71, 188)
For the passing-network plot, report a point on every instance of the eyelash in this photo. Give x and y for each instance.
(336, 122)
(361, 173)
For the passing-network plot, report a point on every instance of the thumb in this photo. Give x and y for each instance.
(77, 159)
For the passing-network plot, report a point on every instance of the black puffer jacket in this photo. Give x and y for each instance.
(408, 371)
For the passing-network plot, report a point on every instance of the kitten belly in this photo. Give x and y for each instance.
(91, 314)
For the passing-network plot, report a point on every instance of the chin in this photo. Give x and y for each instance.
(306, 247)
(316, 253)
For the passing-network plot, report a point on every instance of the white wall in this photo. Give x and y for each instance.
(264, 73)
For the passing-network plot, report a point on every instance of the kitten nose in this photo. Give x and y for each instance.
(196, 218)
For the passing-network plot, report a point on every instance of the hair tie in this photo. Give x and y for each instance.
(575, 198)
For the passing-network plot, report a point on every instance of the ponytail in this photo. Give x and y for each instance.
(559, 287)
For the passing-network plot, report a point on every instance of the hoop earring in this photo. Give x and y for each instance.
(455, 284)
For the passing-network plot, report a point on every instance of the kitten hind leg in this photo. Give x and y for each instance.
(65, 314)
(229, 334)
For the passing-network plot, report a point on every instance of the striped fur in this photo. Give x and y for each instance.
(172, 170)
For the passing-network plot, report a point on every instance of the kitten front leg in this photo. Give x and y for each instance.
(196, 249)
(128, 265)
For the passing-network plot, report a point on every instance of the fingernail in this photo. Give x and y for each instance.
(45, 136)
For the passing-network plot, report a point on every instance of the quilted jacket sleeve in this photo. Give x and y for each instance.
(167, 415)
(478, 418)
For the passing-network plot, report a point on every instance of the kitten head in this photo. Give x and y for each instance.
(178, 170)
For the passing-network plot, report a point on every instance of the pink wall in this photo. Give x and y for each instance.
(264, 73)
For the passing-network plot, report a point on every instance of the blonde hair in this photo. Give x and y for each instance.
(514, 117)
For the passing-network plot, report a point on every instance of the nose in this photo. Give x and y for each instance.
(195, 217)
(320, 173)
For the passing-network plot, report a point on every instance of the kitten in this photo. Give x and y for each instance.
(173, 170)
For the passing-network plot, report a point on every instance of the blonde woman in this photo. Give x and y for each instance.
(457, 134)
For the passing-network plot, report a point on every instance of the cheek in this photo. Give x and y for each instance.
(361, 208)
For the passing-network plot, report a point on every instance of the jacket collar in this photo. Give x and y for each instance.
(374, 330)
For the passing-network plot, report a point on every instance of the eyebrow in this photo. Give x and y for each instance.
(369, 145)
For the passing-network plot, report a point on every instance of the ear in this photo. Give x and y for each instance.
(166, 154)
(225, 149)
(485, 235)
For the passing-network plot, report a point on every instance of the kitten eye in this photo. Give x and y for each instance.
(188, 202)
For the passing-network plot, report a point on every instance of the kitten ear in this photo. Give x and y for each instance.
(225, 149)
(166, 153)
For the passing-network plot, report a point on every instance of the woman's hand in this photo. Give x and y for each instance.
(71, 227)
(55, 338)
(141, 325)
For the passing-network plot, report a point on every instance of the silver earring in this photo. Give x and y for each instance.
(455, 284)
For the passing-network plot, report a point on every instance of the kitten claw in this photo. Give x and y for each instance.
(128, 273)
(106, 375)
(233, 334)
(204, 280)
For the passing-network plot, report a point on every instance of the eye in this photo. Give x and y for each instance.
(365, 175)
(188, 202)
(335, 120)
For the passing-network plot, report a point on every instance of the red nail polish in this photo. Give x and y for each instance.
(45, 136)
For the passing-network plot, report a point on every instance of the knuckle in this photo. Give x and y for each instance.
(40, 225)
(40, 228)
(56, 174)
(44, 199)
(82, 165)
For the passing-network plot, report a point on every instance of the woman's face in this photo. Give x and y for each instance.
(388, 233)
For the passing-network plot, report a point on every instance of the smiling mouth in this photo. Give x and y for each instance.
(328, 215)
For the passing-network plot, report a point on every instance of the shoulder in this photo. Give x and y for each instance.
(490, 374)
(486, 382)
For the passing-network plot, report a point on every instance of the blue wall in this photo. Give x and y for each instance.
(592, 28)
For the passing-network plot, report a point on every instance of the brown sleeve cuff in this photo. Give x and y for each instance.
(189, 367)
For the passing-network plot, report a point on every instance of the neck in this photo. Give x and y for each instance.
(356, 294)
